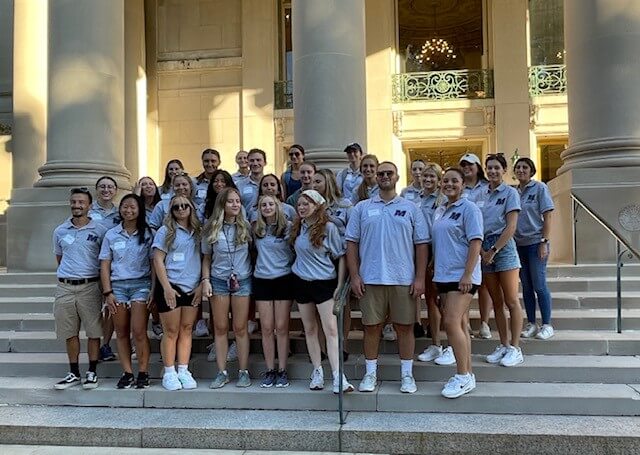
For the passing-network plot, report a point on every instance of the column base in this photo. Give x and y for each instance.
(613, 194)
(327, 159)
(71, 173)
(32, 216)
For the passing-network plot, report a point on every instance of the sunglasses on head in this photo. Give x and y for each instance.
(180, 207)
(384, 173)
(81, 190)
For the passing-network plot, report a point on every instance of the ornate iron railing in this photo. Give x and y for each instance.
(547, 80)
(283, 94)
(442, 85)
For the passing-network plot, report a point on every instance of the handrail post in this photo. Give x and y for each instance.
(338, 311)
(574, 209)
(619, 264)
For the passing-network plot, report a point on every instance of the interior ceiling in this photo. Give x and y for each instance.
(458, 21)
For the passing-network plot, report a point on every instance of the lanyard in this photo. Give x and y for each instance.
(230, 255)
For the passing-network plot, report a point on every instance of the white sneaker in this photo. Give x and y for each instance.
(431, 353)
(211, 357)
(408, 384)
(317, 379)
(134, 354)
(252, 327)
(346, 386)
(513, 357)
(368, 383)
(170, 381)
(186, 379)
(497, 355)
(458, 385)
(389, 333)
(545, 332)
(530, 330)
(201, 329)
(232, 353)
(446, 358)
(485, 331)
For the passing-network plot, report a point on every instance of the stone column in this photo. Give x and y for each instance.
(329, 94)
(86, 93)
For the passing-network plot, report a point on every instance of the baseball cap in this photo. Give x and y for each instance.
(314, 196)
(470, 158)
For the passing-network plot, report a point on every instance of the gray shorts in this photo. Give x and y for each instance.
(77, 305)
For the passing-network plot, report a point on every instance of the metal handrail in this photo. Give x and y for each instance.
(629, 251)
(338, 310)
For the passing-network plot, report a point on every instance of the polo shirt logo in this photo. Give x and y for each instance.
(501, 201)
(400, 213)
(531, 198)
(454, 216)
(92, 238)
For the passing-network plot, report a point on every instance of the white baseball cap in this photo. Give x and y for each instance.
(470, 158)
(314, 196)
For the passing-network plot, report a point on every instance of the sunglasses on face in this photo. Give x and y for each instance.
(294, 154)
(384, 173)
(180, 207)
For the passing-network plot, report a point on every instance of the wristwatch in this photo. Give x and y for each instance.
(544, 240)
(106, 293)
(494, 249)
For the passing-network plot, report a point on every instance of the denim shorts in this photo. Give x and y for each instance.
(221, 287)
(506, 259)
(135, 290)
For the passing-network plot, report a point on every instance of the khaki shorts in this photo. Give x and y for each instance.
(75, 304)
(382, 300)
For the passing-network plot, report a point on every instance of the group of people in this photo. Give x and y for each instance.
(251, 240)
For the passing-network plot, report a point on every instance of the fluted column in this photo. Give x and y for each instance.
(86, 93)
(602, 38)
(329, 93)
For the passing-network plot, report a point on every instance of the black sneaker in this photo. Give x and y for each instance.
(106, 354)
(143, 381)
(345, 356)
(126, 381)
(269, 379)
(90, 380)
(282, 379)
(69, 380)
(418, 330)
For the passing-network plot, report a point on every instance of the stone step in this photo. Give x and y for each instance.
(17, 278)
(591, 270)
(488, 398)
(27, 290)
(537, 368)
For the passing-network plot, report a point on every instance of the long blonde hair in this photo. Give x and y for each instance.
(172, 225)
(437, 169)
(260, 226)
(332, 193)
(216, 220)
(187, 178)
(362, 188)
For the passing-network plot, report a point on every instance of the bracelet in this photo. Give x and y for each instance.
(544, 240)
(204, 279)
(106, 293)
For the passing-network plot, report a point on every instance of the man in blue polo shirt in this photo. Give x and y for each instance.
(387, 239)
(78, 300)
(248, 187)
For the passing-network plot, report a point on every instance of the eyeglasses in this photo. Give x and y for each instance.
(294, 154)
(384, 173)
(180, 207)
(106, 187)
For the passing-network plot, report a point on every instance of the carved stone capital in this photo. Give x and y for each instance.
(489, 118)
(5, 129)
(397, 123)
(533, 115)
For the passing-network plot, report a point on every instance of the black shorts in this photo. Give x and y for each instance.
(181, 300)
(443, 288)
(316, 291)
(273, 289)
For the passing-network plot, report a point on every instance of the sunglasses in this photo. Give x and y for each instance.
(384, 173)
(180, 207)
(294, 154)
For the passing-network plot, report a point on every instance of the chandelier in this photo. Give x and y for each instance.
(436, 52)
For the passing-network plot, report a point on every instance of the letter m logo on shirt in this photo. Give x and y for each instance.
(501, 201)
(92, 238)
(455, 216)
(400, 213)
(531, 198)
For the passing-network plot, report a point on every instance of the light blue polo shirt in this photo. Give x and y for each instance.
(339, 213)
(428, 204)
(200, 190)
(183, 260)
(289, 213)
(371, 191)
(248, 192)
(348, 181)
(79, 248)
(495, 205)
(473, 192)
(237, 177)
(275, 255)
(226, 256)
(535, 200)
(453, 230)
(166, 195)
(387, 233)
(313, 263)
(129, 259)
(160, 211)
(109, 218)
(411, 193)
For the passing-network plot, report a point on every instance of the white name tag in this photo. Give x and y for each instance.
(178, 257)
(69, 239)
(165, 196)
(96, 216)
(121, 245)
(247, 190)
(373, 212)
(480, 204)
(201, 194)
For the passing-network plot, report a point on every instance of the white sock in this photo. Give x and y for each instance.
(182, 368)
(406, 367)
(372, 366)
(169, 370)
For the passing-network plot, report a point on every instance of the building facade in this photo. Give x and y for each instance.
(93, 87)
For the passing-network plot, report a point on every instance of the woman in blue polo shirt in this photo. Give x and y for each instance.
(270, 186)
(318, 244)
(369, 186)
(176, 261)
(532, 240)
(500, 205)
(182, 186)
(125, 271)
(173, 168)
(272, 286)
(414, 191)
(148, 190)
(226, 280)
(457, 237)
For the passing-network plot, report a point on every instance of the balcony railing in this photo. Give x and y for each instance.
(443, 85)
(283, 94)
(547, 80)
